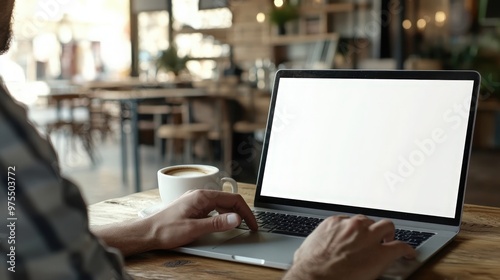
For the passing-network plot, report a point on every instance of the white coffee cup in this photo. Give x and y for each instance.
(174, 181)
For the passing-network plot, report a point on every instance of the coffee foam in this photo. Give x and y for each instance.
(186, 172)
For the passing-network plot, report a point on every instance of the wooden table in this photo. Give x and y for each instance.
(473, 254)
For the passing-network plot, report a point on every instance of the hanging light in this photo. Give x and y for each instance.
(64, 30)
(421, 24)
(261, 17)
(406, 24)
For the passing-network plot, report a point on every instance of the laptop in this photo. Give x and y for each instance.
(387, 144)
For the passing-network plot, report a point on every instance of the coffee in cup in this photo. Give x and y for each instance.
(185, 171)
(174, 181)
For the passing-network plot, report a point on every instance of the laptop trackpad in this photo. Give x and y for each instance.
(258, 247)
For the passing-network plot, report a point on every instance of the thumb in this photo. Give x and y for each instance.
(220, 222)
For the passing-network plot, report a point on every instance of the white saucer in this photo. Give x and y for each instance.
(151, 210)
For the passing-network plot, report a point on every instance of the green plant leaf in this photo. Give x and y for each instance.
(283, 14)
(170, 60)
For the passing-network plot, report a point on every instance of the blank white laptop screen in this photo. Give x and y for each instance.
(384, 144)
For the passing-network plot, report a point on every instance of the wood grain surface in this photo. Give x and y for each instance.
(473, 254)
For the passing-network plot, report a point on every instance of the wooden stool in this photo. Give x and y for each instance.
(248, 126)
(187, 132)
(157, 111)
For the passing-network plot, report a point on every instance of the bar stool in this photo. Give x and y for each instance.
(181, 130)
(204, 119)
(171, 111)
(188, 133)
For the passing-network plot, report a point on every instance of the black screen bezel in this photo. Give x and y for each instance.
(266, 201)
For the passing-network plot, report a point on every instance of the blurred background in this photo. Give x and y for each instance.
(65, 54)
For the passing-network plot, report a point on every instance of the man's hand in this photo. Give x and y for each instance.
(348, 248)
(186, 219)
(180, 223)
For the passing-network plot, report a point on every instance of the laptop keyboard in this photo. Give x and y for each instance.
(302, 226)
(284, 223)
(412, 237)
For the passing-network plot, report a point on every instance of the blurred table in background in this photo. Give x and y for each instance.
(214, 96)
(129, 100)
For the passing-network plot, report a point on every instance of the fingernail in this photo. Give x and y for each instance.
(232, 219)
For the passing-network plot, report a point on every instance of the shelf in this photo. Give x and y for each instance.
(297, 39)
(216, 58)
(332, 8)
(327, 8)
(318, 21)
(218, 33)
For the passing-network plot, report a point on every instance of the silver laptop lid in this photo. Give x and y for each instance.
(391, 144)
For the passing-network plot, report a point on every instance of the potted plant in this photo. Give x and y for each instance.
(170, 61)
(283, 14)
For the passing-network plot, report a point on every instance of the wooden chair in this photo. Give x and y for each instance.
(255, 106)
(101, 116)
(185, 130)
(73, 128)
(159, 112)
(214, 111)
(250, 126)
(204, 119)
